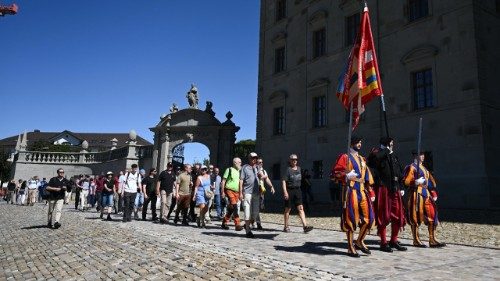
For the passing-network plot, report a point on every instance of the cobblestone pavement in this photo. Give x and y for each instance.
(87, 248)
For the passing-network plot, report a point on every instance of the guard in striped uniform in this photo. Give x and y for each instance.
(421, 201)
(357, 196)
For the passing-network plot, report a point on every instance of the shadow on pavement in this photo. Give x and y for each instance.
(321, 248)
(242, 234)
(35, 227)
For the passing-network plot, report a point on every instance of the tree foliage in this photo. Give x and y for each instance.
(243, 148)
(4, 167)
(50, 147)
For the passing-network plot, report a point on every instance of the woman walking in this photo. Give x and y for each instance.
(292, 193)
(201, 193)
(107, 196)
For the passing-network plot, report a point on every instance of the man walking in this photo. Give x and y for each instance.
(150, 194)
(183, 193)
(11, 189)
(388, 206)
(358, 196)
(57, 187)
(250, 191)
(32, 190)
(164, 189)
(107, 195)
(231, 189)
(129, 192)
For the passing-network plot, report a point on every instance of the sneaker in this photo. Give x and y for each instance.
(57, 225)
(307, 229)
(286, 229)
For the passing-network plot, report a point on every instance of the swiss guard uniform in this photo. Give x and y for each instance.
(357, 197)
(388, 206)
(422, 202)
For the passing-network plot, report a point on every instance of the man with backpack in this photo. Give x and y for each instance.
(231, 188)
(129, 192)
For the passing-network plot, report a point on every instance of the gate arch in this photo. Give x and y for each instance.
(194, 125)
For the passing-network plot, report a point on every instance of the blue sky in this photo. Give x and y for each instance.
(112, 66)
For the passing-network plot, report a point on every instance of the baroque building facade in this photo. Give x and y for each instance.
(438, 60)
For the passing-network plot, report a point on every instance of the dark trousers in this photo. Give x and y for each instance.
(98, 198)
(151, 198)
(172, 206)
(77, 199)
(192, 214)
(128, 205)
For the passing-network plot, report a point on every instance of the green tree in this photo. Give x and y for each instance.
(243, 148)
(4, 167)
(50, 147)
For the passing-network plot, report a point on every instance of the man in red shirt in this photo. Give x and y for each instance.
(99, 186)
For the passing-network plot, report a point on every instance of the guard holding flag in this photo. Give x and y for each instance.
(357, 197)
(421, 200)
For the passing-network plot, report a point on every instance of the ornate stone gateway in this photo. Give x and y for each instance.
(194, 125)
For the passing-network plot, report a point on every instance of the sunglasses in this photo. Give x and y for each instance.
(60, 172)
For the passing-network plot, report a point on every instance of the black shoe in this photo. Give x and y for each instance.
(363, 249)
(198, 222)
(109, 218)
(307, 229)
(101, 216)
(49, 224)
(224, 226)
(185, 223)
(259, 227)
(176, 220)
(162, 221)
(57, 225)
(353, 255)
(386, 248)
(250, 235)
(437, 245)
(136, 217)
(397, 246)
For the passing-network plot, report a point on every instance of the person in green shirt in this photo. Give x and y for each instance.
(231, 188)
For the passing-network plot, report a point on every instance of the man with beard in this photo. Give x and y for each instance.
(351, 170)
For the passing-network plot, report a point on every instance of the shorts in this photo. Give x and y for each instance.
(294, 197)
(107, 200)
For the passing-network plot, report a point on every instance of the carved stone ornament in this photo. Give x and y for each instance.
(85, 145)
(208, 108)
(192, 97)
(132, 135)
(174, 108)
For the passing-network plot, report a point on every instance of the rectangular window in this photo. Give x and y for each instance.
(351, 28)
(276, 171)
(279, 121)
(318, 169)
(422, 89)
(319, 111)
(417, 9)
(279, 60)
(280, 10)
(319, 43)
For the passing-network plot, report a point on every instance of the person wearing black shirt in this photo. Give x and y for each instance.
(165, 188)
(150, 195)
(57, 187)
(107, 195)
(11, 189)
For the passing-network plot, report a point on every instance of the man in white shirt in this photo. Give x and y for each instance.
(129, 192)
(84, 193)
(32, 190)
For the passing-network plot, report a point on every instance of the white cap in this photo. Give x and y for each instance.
(252, 155)
(203, 167)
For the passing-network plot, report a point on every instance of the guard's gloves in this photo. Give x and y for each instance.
(434, 195)
(372, 195)
(420, 181)
(402, 192)
(352, 175)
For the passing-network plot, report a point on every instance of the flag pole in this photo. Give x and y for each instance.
(349, 135)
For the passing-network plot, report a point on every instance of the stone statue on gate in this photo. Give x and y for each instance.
(192, 97)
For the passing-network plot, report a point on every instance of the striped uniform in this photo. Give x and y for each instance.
(358, 209)
(421, 207)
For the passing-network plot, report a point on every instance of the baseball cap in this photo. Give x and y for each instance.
(252, 155)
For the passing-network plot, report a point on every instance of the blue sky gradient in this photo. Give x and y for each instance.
(112, 66)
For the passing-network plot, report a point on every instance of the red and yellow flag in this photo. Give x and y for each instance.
(360, 81)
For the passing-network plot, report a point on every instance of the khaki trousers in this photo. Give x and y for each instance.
(32, 195)
(55, 208)
(166, 200)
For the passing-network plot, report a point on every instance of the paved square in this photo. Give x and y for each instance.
(86, 248)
